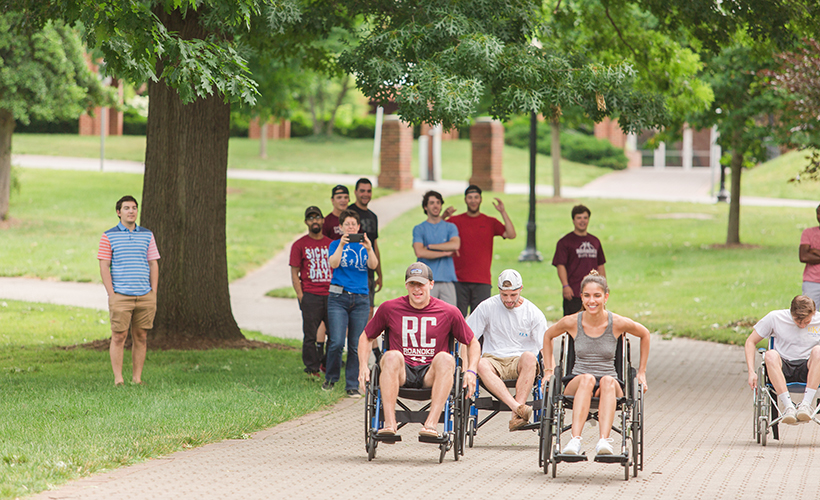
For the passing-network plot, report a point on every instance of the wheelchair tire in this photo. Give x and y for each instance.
(764, 430)
(371, 449)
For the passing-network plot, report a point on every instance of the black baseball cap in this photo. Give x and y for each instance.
(472, 188)
(313, 210)
(339, 189)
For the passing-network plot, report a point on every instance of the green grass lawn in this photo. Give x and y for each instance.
(59, 217)
(661, 265)
(770, 179)
(63, 418)
(337, 156)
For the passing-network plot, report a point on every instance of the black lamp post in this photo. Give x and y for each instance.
(530, 253)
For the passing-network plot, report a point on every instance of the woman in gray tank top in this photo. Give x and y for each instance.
(595, 332)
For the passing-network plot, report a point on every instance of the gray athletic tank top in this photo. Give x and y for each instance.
(595, 355)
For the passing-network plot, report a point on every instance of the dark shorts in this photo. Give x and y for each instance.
(569, 377)
(415, 376)
(371, 284)
(796, 370)
(572, 306)
(470, 295)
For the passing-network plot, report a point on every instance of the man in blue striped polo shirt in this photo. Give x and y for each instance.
(128, 258)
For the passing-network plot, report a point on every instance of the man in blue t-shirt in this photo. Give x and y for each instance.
(435, 241)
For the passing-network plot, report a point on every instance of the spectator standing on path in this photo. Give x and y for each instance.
(810, 255)
(310, 273)
(795, 357)
(129, 269)
(370, 226)
(340, 199)
(434, 242)
(576, 254)
(348, 303)
(512, 328)
(474, 260)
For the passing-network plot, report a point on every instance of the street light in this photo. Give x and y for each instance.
(530, 253)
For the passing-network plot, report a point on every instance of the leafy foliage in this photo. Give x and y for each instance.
(438, 59)
(797, 80)
(44, 76)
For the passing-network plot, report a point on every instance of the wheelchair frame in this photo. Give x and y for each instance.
(452, 416)
(630, 406)
(495, 406)
(766, 404)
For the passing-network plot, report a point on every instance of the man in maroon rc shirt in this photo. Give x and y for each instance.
(475, 257)
(576, 254)
(310, 274)
(419, 329)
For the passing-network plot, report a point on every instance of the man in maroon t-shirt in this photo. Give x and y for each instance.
(340, 199)
(475, 256)
(310, 273)
(576, 254)
(419, 331)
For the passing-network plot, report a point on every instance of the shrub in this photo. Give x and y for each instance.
(575, 146)
(360, 128)
(133, 123)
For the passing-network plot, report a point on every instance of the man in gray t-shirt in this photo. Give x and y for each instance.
(795, 356)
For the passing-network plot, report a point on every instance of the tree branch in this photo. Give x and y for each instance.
(620, 35)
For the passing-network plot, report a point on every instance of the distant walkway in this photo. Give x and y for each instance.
(281, 317)
(669, 185)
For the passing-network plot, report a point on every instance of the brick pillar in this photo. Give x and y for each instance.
(396, 153)
(487, 137)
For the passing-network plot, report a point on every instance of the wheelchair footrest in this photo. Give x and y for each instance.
(395, 438)
(560, 457)
(434, 440)
(612, 459)
(530, 427)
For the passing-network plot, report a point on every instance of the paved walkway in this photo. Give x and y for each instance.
(699, 440)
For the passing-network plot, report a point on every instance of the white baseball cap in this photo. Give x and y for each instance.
(512, 278)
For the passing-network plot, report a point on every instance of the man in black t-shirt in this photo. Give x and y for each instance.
(369, 225)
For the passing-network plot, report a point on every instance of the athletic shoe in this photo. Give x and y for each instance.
(604, 447)
(353, 393)
(328, 386)
(789, 415)
(804, 412)
(573, 447)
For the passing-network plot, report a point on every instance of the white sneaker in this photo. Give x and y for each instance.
(789, 416)
(573, 447)
(804, 412)
(604, 447)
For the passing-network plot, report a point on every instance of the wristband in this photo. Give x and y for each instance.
(564, 286)
(474, 373)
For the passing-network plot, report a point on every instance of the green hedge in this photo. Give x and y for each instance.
(575, 146)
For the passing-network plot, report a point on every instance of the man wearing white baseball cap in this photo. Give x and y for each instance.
(512, 328)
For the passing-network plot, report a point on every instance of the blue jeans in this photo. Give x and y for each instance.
(346, 312)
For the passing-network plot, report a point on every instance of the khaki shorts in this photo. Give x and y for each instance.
(125, 310)
(507, 368)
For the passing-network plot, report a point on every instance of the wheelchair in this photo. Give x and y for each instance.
(766, 404)
(495, 406)
(629, 412)
(452, 416)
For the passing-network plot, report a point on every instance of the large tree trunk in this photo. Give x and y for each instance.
(733, 234)
(6, 130)
(184, 200)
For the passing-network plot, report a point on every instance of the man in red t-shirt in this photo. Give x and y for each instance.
(475, 257)
(576, 254)
(310, 273)
(419, 331)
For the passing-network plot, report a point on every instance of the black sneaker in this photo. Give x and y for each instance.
(353, 393)
(328, 386)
